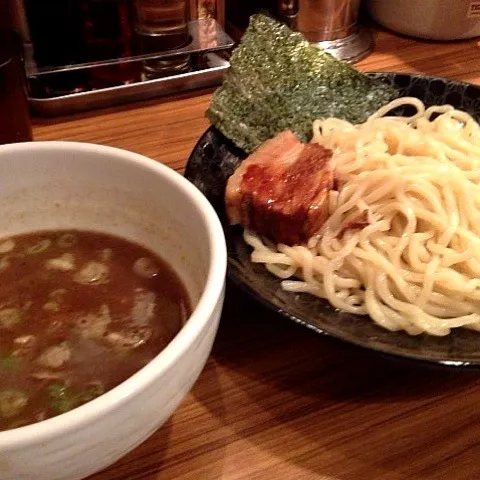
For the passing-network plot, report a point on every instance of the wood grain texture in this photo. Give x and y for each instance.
(276, 401)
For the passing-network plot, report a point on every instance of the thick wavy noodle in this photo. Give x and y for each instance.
(413, 186)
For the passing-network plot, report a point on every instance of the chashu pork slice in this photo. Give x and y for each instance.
(281, 189)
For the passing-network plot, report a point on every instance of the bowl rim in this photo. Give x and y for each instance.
(83, 415)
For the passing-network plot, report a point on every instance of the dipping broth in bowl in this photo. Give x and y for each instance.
(59, 188)
(80, 312)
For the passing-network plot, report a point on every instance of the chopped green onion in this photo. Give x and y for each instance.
(39, 247)
(55, 356)
(10, 363)
(10, 317)
(7, 246)
(94, 325)
(92, 273)
(4, 262)
(64, 262)
(67, 240)
(12, 402)
(106, 254)
(51, 306)
(92, 391)
(62, 399)
(55, 300)
(57, 293)
(145, 267)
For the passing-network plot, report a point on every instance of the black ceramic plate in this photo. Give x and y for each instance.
(214, 159)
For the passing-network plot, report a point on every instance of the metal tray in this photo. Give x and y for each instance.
(212, 74)
(205, 35)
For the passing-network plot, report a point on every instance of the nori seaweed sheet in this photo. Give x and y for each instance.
(279, 81)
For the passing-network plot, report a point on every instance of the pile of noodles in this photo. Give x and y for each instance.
(414, 264)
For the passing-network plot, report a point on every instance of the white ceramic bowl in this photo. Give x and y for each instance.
(52, 185)
(430, 19)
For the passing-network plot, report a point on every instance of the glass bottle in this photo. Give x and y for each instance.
(162, 25)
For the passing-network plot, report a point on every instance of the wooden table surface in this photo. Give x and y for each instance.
(275, 400)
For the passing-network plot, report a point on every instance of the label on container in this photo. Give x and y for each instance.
(473, 9)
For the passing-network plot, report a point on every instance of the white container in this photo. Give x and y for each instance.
(429, 19)
(51, 185)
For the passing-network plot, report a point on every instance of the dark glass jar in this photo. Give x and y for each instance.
(162, 25)
(15, 123)
(56, 32)
(107, 28)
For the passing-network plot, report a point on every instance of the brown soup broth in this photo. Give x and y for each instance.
(80, 312)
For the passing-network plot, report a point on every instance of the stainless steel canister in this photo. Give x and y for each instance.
(332, 24)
